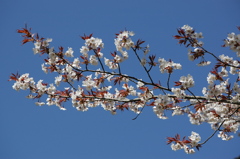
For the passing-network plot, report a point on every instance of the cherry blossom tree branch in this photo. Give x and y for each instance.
(219, 106)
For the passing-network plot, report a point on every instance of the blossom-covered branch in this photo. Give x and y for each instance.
(79, 81)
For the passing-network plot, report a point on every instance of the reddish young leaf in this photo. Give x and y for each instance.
(114, 53)
(86, 37)
(218, 77)
(14, 77)
(199, 106)
(178, 37)
(122, 107)
(24, 41)
(178, 83)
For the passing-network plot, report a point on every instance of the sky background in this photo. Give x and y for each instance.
(31, 132)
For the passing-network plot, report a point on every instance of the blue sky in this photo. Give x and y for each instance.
(31, 132)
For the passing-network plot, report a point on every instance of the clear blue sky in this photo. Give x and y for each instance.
(31, 132)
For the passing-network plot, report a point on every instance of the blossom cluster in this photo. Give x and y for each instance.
(168, 66)
(108, 87)
(233, 42)
(188, 35)
(123, 40)
(187, 145)
(94, 44)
